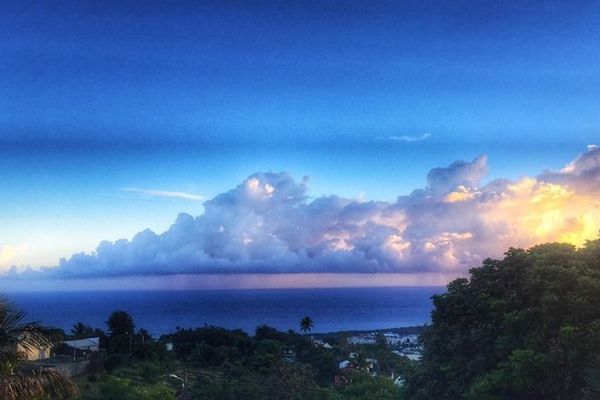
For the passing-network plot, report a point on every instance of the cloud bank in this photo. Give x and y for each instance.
(268, 224)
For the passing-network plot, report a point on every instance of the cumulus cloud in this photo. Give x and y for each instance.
(408, 138)
(268, 224)
(164, 194)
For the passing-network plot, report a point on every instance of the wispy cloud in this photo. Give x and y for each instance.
(407, 138)
(165, 194)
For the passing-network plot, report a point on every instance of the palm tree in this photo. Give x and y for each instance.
(81, 330)
(17, 338)
(306, 324)
(47, 384)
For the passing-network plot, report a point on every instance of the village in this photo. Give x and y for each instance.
(178, 362)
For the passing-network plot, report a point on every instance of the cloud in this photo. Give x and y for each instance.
(165, 194)
(268, 224)
(459, 175)
(9, 255)
(407, 138)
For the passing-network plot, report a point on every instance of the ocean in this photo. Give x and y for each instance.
(162, 311)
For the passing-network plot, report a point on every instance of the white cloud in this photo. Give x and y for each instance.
(11, 255)
(165, 194)
(408, 138)
(267, 224)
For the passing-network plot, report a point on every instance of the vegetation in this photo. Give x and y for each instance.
(525, 327)
(16, 339)
(81, 330)
(306, 324)
(120, 323)
(215, 363)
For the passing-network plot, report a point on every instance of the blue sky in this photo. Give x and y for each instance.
(99, 97)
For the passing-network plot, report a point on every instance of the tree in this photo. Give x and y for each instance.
(306, 324)
(121, 332)
(120, 323)
(520, 328)
(81, 330)
(17, 338)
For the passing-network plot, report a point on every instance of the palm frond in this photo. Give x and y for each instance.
(17, 336)
(47, 384)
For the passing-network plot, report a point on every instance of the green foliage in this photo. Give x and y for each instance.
(266, 332)
(114, 361)
(149, 371)
(187, 342)
(324, 364)
(81, 330)
(306, 324)
(150, 351)
(221, 364)
(113, 388)
(121, 344)
(365, 387)
(120, 323)
(16, 338)
(521, 328)
(279, 381)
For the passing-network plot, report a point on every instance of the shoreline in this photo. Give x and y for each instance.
(408, 330)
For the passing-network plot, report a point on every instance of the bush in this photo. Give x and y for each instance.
(149, 371)
(113, 361)
(150, 351)
(366, 387)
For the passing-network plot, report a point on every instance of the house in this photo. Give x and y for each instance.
(32, 352)
(35, 353)
(321, 343)
(87, 344)
(411, 355)
(289, 356)
(371, 366)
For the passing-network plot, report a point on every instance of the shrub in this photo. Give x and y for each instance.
(113, 361)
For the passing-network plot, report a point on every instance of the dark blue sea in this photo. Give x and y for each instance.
(162, 311)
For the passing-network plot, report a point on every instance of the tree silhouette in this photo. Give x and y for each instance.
(306, 324)
(81, 330)
(120, 323)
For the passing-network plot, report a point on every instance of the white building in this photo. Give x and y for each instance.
(87, 344)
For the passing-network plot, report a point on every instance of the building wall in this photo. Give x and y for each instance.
(35, 353)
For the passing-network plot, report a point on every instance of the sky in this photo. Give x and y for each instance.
(116, 117)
